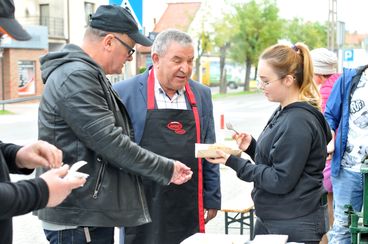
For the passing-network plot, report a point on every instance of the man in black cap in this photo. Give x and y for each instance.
(8, 24)
(17, 198)
(82, 115)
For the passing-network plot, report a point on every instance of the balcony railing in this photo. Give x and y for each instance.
(55, 25)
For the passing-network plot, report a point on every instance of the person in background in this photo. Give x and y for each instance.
(325, 75)
(17, 198)
(346, 112)
(291, 151)
(170, 113)
(81, 114)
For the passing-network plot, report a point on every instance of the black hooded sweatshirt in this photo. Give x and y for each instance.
(289, 159)
(20, 197)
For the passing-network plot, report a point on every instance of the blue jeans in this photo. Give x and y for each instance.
(122, 235)
(99, 235)
(306, 229)
(347, 189)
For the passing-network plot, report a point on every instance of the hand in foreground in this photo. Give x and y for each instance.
(39, 154)
(181, 174)
(243, 140)
(331, 147)
(60, 187)
(209, 214)
(221, 159)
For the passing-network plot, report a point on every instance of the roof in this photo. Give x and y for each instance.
(178, 15)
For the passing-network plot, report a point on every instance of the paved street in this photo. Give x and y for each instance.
(247, 113)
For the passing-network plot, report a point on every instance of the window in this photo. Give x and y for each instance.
(26, 81)
(44, 14)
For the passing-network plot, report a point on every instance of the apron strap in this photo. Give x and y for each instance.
(193, 104)
(151, 91)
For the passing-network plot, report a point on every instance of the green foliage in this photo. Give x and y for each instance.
(255, 25)
(313, 34)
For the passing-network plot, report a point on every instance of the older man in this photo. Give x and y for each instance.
(80, 113)
(170, 113)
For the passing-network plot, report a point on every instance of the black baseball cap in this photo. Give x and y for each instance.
(8, 24)
(114, 18)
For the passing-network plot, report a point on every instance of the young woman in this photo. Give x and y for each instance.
(291, 151)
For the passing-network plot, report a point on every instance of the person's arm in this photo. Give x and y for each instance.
(49, 190)
(211, 172)
(9, 152)
(84, 108)
(289, 155)
(334, 103)
(22, 197)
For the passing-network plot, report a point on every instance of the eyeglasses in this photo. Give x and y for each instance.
(130, 50)
(262, 84)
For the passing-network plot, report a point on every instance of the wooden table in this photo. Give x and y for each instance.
(201, 238)
(237, 205)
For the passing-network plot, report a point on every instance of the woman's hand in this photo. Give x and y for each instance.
(331, 147)
(221, 159)
(243, 140)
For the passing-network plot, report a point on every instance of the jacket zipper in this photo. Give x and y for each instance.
(141, 198)
(99, 179)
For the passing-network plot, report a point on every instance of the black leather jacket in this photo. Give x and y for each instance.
(80, 114)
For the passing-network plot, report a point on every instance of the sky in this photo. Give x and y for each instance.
(352, 12)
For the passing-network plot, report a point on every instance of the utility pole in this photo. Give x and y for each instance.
(332, 20)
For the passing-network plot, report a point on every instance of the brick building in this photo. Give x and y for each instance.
(19, 65)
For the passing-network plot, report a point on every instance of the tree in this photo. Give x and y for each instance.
(313, 34)
(221, 39)
(203, 46)
(255, 26)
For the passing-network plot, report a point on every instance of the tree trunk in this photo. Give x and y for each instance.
(197, 67)
(223, 85)
(248, 66)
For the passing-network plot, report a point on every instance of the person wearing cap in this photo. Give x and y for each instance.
(164, 104)
(8, 24)
(81, 114)
(17, 198)
(346, 112)
(325, 75)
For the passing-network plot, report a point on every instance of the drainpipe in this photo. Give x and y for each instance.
(68, 21)
(2, 74)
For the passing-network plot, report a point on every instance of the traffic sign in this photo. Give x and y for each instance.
(136, 7)
(349, 55)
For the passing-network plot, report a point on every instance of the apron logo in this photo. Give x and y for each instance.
(177, 127)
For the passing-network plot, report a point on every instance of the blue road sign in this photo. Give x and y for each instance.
(349, 55)
(136, 6)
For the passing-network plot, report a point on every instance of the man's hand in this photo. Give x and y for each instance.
(181, 174)
(39, 154)
(209, 214)
(60, 187)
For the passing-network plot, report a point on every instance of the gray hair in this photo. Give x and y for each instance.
(164, 38)
(95, 33)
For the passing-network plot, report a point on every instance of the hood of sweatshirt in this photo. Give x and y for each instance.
(69, 53)
(321, 119)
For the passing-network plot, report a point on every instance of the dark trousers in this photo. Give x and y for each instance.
(99, 235)
(307, 229)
